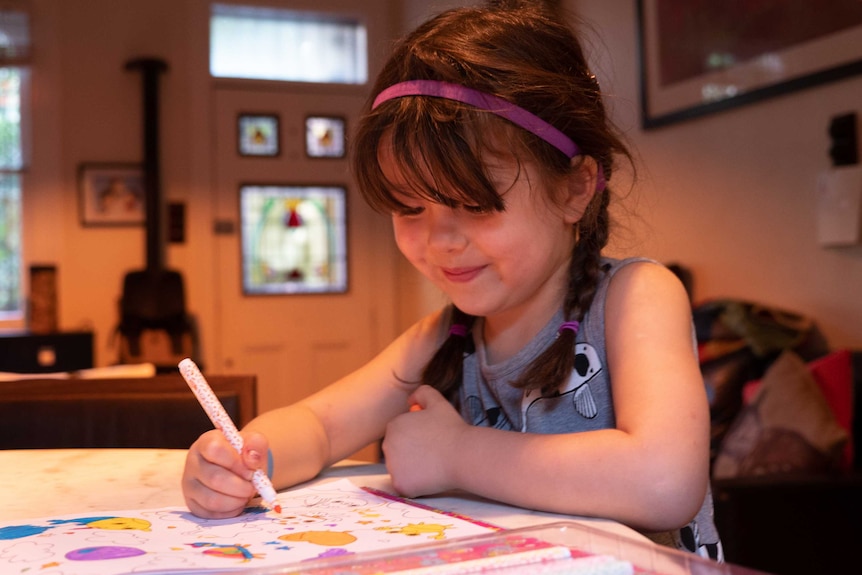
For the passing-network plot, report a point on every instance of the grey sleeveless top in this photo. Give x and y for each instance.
(584, 403)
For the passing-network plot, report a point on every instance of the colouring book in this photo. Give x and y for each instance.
(323, 520)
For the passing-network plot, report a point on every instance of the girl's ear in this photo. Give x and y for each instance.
(583, 182)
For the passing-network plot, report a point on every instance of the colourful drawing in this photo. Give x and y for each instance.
(323, 520)
(113, 523)
(433, 530)
(328, 538)
(21, 531)
(103, 553)
(240, 552)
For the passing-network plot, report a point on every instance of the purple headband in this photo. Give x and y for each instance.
(481, 100)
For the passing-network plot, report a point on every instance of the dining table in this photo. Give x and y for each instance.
(43, 482)
(39, 483)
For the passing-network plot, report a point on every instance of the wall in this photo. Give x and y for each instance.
(87, 108)
(732, 195)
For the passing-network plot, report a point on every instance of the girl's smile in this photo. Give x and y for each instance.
(462, 275)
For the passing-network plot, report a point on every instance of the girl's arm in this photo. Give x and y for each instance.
(651, 472)
(313, 433)
(352, 412)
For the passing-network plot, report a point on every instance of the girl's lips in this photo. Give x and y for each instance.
(462, 275)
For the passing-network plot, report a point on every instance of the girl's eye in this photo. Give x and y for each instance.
(477, 210)
(406, 212)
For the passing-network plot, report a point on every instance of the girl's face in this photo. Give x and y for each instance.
(492, 264)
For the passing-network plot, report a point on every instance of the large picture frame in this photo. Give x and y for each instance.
(698, 57)
(112, 194)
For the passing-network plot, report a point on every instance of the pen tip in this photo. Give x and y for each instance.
(277, 508)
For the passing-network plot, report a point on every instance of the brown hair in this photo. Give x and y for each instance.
(521, 52)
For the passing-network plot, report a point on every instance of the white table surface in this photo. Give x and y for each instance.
(52, 482)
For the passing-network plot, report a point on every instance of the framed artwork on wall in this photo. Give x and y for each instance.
(294, 239)
(699, 57)
(325, 137)
(258, 135)
(111, 194)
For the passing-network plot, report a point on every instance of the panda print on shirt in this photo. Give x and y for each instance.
(576, 391)
(581, 403)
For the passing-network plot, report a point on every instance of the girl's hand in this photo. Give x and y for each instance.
(418, 444)
(216, 479)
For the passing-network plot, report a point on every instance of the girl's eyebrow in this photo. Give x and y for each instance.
(404, 196)
(401, 191)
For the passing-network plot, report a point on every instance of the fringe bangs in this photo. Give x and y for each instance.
(438, 153)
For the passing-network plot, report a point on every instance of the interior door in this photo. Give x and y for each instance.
(296, 343)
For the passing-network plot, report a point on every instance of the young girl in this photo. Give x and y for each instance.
(557, 379)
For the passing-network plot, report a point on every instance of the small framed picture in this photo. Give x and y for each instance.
(324, 137)
(112, 194)
(258, 135)
(294, 239)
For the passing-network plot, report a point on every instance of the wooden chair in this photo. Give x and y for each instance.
(158, 411)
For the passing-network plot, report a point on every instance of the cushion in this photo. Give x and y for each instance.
(787, 427)
(834, 376)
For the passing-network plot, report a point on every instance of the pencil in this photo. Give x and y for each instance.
(222, 421)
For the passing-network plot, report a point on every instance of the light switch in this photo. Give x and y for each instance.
(839, 206)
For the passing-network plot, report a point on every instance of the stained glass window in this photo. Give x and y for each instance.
(324, 137)
(293, 239)
(258, 135)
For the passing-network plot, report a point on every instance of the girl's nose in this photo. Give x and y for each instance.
(445, 230)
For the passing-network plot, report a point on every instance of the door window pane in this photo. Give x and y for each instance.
(293, 239)
(272, 44)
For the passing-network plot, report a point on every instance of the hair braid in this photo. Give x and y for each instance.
(445, 369)
(554, 366)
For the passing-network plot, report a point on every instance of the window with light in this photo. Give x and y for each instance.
(14, 74)
(286, 45)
